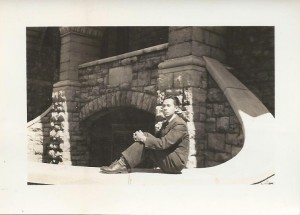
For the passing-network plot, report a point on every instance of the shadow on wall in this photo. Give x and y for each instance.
(251, 52)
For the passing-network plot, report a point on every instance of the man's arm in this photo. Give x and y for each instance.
(175, 134)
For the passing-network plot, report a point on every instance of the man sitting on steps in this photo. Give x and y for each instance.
(168, 150)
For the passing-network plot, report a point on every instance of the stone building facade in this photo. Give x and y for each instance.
(112, 82)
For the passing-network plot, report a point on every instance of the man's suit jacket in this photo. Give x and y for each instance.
(173, 137)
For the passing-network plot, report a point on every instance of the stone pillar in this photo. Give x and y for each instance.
(78, 45)
(183, 74)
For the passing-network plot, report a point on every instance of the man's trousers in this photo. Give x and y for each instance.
(168, 161)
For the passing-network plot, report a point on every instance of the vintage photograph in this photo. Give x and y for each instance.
(150, 107)
(106, 104)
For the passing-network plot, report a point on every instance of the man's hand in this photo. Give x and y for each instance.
(139, 136)
(158, 126)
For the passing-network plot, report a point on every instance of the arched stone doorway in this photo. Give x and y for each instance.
(110, 133)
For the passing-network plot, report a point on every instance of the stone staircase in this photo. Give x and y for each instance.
(253, 165)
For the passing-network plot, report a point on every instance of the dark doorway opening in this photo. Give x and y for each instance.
(111, 133)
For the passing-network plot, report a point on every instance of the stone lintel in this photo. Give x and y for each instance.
(182, 61)
(67, 83)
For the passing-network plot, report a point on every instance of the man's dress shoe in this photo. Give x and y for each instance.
(115, 168)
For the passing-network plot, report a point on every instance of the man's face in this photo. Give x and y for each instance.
(169, 107)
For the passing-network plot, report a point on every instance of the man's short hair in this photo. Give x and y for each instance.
(175, 100)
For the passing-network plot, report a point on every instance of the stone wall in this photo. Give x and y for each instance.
(224, 132)
(142, 79)
(197, 41)
(250, 51)
(137, 73)
(67, 137)
(38, 138)
(108, 82)
(212, 125)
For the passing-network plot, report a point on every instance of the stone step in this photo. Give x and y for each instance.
(41, 173)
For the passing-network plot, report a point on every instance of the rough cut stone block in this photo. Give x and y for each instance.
(235, 150)
(92, 82)
(120, 75)
(73, 126)
(200, 49)
(223, 124)
(198, 95)
(228, 148)
(113, 99)
(188, 78)
(99, 103)
(218, 109)
(103, 99)
(230, 138)
(147, 102)
(198, 34)
(128, 97)
(222, 157)
(150, 89)
(118, 98)
(124, 86)
(138, 66)
(109, 100)
(123, 98)
(72, 106)
(140, 100)
(239, 141)
(63, 75)
(95, 91)
(210, 124)
(165, 81)
(134, 98)
(209, 163)
(216, 141)
(95, 105)
(199, 127)
(215, 95)
(180, 36)
(179, 50)
(144, 78)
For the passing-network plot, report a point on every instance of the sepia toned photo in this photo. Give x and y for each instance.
(150, 105)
